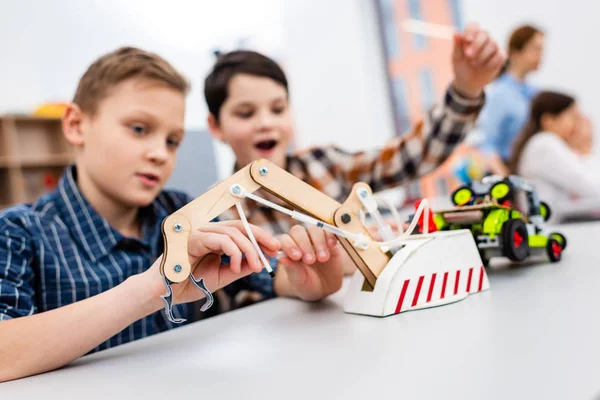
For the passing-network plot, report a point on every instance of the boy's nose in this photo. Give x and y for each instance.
(159, 154)
(266, 122)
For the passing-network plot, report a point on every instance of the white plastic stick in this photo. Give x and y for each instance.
(388, 203)
(423, 207)
(429, 29)
(359, 240)
(253, 239)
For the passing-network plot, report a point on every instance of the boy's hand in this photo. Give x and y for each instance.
(476, 60)
(313, 265)
(205, 247)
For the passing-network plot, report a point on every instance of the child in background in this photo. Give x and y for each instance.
(550, 153)
(248, 101)
(79, 268)
(505, 112)
(582, 141)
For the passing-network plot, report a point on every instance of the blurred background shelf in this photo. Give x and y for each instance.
(33, 155)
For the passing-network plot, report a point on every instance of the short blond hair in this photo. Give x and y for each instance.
(120, 65)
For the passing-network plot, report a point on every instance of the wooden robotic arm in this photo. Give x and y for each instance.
(175, 265)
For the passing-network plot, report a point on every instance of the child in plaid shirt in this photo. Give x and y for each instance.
(247, 96)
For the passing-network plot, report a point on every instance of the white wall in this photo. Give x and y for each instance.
(571, 60)
(46, 46)
(331, 53)
(330, 49)
(337, 76)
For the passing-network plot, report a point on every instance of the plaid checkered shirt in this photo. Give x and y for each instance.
(334, 171)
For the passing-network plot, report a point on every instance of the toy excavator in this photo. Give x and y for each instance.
(404, 272)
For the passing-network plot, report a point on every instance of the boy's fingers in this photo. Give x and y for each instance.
(474, 48)
(487, 53)
(231, 249)
(262, 237)
(269, 252)
(290, 248)
(241, 241)
(331, 239)
(300, 236)
(319, 241)
(246, 246)
(197, 246)
(470, 31)
(459, 41)
(285, 260)
(496, 61)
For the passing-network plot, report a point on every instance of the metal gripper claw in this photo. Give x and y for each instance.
(168, 298)
(209, 297)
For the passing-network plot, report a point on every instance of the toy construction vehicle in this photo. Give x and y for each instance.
(489, 209)
(404, 272)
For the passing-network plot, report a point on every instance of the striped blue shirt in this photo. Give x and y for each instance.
(59, 250)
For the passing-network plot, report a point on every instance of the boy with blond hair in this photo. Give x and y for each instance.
(79, 268)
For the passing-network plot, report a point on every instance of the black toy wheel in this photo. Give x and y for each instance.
(560, 238)
(545, 211)
(501, 191)
(515, 244)
(554, 250)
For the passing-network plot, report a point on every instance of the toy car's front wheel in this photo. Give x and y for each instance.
(515, 240)
(560, 238)
(554, 250)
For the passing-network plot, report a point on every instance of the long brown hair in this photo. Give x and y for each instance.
(552, 103)
(518, 40)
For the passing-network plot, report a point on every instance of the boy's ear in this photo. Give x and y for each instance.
(215, 129)
(72, 122)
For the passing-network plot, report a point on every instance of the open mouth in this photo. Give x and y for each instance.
(266, 145)
(149, 179)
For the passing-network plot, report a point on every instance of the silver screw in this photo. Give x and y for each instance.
(263, 171)
(177, 227)
(236, 189)
(177, 268)
(363, 193)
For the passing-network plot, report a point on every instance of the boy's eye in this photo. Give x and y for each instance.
(245, 114)
(138, 129)
(173, 143)
(278, 110)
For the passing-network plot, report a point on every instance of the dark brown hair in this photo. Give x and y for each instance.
(552, 103)
(519, 38)
(231, 64)
(118, 66)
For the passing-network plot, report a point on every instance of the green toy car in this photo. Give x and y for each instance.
(489, 209)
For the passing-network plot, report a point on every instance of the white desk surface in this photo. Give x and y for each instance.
(535, 335)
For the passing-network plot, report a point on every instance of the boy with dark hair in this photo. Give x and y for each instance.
(248, 99)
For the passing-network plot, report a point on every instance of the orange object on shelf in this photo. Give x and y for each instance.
(50, 110)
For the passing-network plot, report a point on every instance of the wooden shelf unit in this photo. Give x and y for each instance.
(33, 156)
